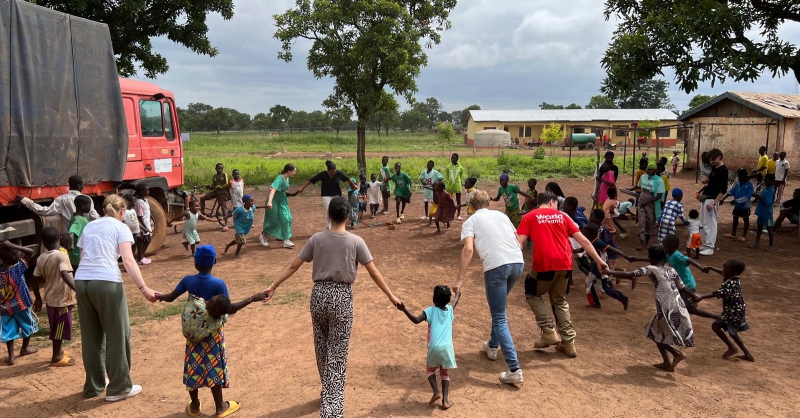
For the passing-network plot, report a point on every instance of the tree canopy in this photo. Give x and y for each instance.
(700, 40)
(649, 94)
(431, 108)
(463, 116)
(134, 23)
(699, 99)
(367, 47)
(601, 101)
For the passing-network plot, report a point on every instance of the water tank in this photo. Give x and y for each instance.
(492, 138)
(582, 140)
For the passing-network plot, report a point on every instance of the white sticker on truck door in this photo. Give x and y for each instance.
(163, 165)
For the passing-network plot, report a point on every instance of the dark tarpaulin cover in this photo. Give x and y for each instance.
(61, 109)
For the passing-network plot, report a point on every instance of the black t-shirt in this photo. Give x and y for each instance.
(792, 205)
(330, 185)
(717, 182)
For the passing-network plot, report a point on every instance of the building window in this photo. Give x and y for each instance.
(505, 128)
(663, 133)
(620, 133)
(577, 130)
(489, 127)
(525, 132)
(170, 131)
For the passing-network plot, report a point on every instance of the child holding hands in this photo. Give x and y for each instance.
(733, 318)
(441, 354)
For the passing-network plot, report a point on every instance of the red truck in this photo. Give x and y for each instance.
(64, 111)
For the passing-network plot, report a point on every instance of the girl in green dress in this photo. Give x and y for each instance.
(277, 217)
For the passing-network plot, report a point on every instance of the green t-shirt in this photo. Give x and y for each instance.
(510, 196)
(76, 226)
(385, 178)
(402, 185)
(453, 178)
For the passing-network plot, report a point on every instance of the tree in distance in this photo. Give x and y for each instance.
(601, 101)
(339, 117)
(699, 99)
(463, 117)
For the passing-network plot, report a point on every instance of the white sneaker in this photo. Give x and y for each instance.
(398, 221)
(510, 378)
(423, 217)
(135, 390)
(288, 244)
(706, 251)
(263, 240)
(490, 352)
(402, 216)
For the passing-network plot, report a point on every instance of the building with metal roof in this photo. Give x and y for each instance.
(527, 125)
(738, 123)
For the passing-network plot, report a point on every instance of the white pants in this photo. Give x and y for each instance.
(708, 223)
(326, 201)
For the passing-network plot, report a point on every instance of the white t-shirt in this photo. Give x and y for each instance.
(781, 168)
(132, 221)
(237, 192)
(374, 192)
(495, 238)
(100, 244)
(143, 211)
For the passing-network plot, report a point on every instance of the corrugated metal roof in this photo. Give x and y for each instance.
(776, 105)
(571, 115)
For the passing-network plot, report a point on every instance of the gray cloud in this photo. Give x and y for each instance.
(514, 56)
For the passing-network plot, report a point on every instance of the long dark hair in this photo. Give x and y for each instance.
(288, 167)
(555, 189)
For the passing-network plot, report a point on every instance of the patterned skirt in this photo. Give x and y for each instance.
(206, 363)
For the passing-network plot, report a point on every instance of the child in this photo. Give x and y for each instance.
(190, 217)
(236, 189)
(570, 207)
(609, 210)
(624, 209)
(671, 324)
(640, 172)
(54, 268)
(16, 318)
(445, 207)
(402, 191)
(470, 184)
(733, 318)
(530, 198)
(672, 211)
(83, 205)
(441, 354)
(764, 211)
(661, 170)
(243, 217)
(453, 178)
(597, 216)
(427, 178)
(143, 214)
(675, 161)
(132, 221)
(362, 196)
(206, 362)
(681, 264)
(219, 189)
(591, 231)
(66, 244)
(374, 194)
(695, 240)
(354, 202)
(509, 194)
(742, 193)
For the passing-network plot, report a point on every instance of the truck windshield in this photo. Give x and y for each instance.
(151, 118)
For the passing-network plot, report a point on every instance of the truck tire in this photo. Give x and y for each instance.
(589, 146)
(158, 220)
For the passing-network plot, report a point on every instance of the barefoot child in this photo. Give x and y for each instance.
(16, 318)
(671, 324)
(190, 217)
(143, 214)
(742, 193)
(733, 318)
(441, 354)
(374, 194)
(695, 240)
(590, 231)
(206, 360)
(427, 178)
(764, 218)
(681, 263)
(243, 217)
(54, 268)
(469, 185)
(402, 191)
(445, 207)
(675, 161)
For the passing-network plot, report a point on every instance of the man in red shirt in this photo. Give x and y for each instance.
(550, 230)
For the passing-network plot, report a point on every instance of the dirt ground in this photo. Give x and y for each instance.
(271, 355)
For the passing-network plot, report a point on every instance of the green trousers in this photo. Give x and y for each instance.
(106, 337)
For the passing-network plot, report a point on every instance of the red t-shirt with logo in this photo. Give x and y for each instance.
(550, 230)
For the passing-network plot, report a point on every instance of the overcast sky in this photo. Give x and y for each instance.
(513, 56)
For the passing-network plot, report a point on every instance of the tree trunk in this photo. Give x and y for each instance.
(387, 131)
(337, 132)
(361, 133)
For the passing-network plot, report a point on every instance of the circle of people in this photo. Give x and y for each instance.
(553, 225)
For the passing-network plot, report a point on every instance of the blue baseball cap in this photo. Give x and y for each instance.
(247, 197)
(504, 177)
(677, 192)
(205, 256)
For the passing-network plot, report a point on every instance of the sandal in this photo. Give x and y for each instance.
(742, 239)
(233, 406)
(65, 361)
(753, 246)
(768, 249)
(194, 414)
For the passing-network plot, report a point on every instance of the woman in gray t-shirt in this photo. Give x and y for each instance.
(335, 254)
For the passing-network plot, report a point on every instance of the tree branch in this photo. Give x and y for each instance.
(782, 12)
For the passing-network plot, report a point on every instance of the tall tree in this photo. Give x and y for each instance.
(650, 94)
(464, 116)
(430, 108)
(134, 23)
(340, 117)
(601, 101)
(317, 121)
(548, 106)
(299, 120)
(412, 120)
(367, 47)
(218, 119)
(699, 99)
(261, 122)
(279, 115)
(701, 40)
(444, 117)
(573, 106)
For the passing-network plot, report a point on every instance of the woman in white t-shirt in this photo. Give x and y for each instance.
(102, 305)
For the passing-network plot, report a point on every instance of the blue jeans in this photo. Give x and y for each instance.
(499, 282)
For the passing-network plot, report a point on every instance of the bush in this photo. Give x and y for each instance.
(539, 153)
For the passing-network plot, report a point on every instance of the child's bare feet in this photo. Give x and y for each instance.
(677, 359)
(728, 354)
(747, 358)
(434, 398)
(10, 360)
(27, 351)
(226, 249)
(446, 404)
(664, 366)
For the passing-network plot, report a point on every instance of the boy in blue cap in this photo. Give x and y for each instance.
(243, 217)
(672, 211)
(206, 360)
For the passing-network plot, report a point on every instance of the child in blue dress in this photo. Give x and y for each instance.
(441, 354)
(243, 217)
(764, 220)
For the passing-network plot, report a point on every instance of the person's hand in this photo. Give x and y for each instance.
(258, 297)
(19, 198)
(696, 298)
(269, 205)
(150, 295)
(395, 301)
(709, 207)
(158, 296)
(705, 270)
(602, 266)
(37, 305)
(400, 306)
(268, 294)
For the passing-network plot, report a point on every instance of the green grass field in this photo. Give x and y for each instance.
(251, 153)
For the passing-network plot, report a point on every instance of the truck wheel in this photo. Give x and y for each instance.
(589, 146)
(158, 226)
